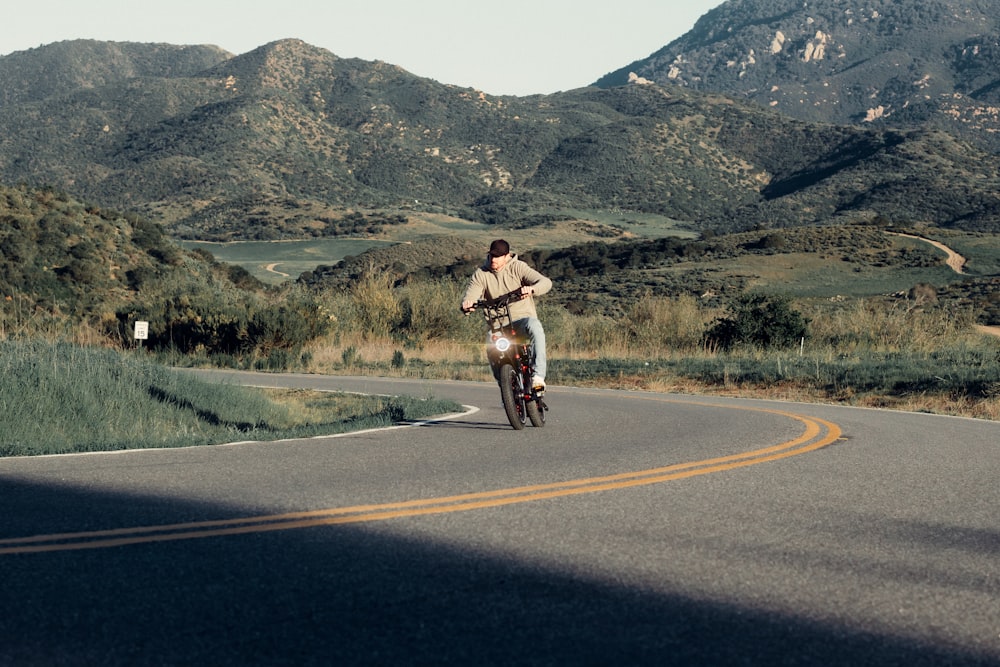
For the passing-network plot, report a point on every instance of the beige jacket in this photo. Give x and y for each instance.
(515, 273)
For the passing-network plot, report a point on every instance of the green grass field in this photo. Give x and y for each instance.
(982, 251)
(274, 262)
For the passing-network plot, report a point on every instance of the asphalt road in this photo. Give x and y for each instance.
(633, 528)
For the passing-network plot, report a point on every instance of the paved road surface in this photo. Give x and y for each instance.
(633, 529)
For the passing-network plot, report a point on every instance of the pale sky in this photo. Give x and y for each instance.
(515, 47)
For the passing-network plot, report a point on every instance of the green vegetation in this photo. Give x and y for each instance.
(63, 398)
(275, 262)
(758, 320)
(875, 352)
(698, 242)
(846, 312)
(291, 142)
(847, 261)
(70, 271)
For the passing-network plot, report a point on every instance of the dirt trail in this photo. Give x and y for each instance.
(955, 261)
(957, 264)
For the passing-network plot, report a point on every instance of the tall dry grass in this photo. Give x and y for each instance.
(866, 353)
(374, 319)
(875, 326)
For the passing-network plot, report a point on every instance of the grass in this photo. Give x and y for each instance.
(829, 272)
(981, 250)
(867, 352)
(61, 398)
(961, 382)
(862, 349)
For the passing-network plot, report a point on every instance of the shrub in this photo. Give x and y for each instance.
(758, 320)
(286, 326)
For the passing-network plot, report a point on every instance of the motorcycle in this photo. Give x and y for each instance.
(511, 359)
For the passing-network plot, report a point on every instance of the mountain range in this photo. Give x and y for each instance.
(877, 63)
(287, 139)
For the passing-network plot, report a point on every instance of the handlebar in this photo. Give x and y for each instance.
(500, 301)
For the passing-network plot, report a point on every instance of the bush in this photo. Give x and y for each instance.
(227, 321)
(758, 320)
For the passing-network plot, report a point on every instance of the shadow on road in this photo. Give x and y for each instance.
(467, 423)
(358, 595)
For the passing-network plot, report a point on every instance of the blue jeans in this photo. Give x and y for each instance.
(532, 328)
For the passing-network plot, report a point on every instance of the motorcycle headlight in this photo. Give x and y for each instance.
(501, 344)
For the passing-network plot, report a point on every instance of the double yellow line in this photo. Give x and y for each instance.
(818, 433)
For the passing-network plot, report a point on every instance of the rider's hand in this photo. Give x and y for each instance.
(527, 291)
(467, 305)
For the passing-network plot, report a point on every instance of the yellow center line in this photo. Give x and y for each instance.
(818, 433)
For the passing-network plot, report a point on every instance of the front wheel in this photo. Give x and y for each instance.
(512, 393)
(536, 412)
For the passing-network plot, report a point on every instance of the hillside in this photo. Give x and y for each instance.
(878, 63)
(76, 271)
(289, 140)
(58, 255)
(54, 70)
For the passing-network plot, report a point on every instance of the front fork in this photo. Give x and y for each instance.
(516, 356)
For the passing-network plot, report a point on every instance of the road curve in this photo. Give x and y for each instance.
(633, 528)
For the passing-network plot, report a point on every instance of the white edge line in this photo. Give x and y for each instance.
(469, 410)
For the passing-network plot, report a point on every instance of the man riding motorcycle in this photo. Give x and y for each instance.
(503, 272)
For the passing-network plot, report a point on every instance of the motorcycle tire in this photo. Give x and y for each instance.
(512, 394)
(536, 414)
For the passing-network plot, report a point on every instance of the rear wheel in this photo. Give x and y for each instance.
(512, 393)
